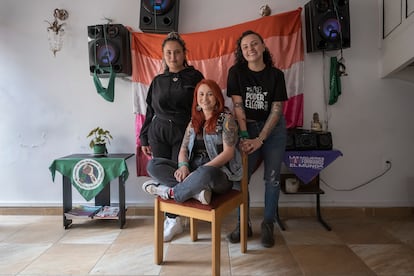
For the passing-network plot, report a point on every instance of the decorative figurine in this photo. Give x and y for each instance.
(316, 125)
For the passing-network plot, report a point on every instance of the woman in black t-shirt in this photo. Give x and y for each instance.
(258, 90)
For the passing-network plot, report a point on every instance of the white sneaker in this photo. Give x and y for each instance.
(204, 197)
(172, 227)
(154, 188)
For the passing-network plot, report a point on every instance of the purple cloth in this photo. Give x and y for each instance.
(308, 164)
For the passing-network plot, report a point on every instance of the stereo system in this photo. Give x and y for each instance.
(159, 16)
(327, 25)
(109, 47)
(302, 139)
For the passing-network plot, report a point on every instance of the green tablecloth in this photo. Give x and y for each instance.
(90, 175)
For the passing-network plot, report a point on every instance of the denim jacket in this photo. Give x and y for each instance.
(233, 169)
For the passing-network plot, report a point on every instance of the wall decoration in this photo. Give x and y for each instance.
(55, 31)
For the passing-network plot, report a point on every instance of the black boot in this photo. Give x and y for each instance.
(234, 237)
(267, 234)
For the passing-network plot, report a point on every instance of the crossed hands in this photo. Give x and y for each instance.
(181, 173)
(250, 145)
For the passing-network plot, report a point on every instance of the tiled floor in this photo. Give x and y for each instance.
(38, 245)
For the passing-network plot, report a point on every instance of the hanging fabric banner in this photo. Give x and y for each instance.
(309, 163)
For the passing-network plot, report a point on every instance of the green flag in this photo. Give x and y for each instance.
(334, 82)
(106, 93)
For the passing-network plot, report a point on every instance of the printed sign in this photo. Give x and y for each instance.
(88, 174)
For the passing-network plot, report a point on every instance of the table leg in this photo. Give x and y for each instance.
(104, 196)
(67, 201)
(122, 215)
(318, 213)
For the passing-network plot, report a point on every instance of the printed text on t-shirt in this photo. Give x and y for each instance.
(255, 98)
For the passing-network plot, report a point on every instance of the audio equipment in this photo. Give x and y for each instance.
(327, 25)
(324, 140)
(302, 139)
(109, 46)
(305, 140)
(159, 16)
(290, 142)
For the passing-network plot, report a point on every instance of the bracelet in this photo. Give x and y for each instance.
(260, 140)
(183, 164)
(243, 134)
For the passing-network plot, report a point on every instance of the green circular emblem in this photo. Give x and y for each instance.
(88, 174)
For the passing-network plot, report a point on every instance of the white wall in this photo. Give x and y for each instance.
(48, 104)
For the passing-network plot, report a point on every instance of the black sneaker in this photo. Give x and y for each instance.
(267, 234)
(234, 237)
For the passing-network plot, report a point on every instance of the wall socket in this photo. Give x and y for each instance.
(386, 162)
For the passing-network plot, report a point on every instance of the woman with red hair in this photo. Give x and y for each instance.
(209, 161)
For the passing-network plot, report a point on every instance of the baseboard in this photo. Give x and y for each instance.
(255, 211)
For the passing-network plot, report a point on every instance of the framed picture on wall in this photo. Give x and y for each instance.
(410, 8)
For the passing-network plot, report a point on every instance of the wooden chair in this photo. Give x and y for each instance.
(220, 207)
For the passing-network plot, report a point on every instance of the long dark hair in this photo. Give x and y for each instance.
(267, 56)
(174, 36)
(197, 117)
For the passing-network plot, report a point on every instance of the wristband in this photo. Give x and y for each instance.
(183, 164)
(260, 140)
(243, 134)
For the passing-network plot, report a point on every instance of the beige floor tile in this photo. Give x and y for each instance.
(329, 260)
(263, 261)
(15, 257)
(66, 259)
(91, 233)
(42, 232)
(124, 259)
(402, 229)
(298, 223)
(138, 231)
(362, 233)
(387, 259)
(193, 259)
(9, 225)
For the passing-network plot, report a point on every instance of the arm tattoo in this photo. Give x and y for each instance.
(276, 108)
(238, 105)
(230, 131)
(186, 139)
(272, 119)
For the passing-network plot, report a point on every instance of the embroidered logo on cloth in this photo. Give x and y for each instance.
(88, 174)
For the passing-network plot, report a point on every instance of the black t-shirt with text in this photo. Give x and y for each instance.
(257, 89)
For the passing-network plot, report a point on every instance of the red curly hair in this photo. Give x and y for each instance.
(197, 117)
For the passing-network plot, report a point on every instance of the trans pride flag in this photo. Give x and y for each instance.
(212, 53)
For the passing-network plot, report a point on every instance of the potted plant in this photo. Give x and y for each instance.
(100, 137)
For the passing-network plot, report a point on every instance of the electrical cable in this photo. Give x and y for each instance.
(360, 185)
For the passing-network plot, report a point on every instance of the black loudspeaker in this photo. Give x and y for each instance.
(302, 139)
(306, 140)
(324, 140)
(109, 45)
(327, 25)
(159, 16)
